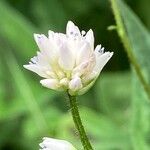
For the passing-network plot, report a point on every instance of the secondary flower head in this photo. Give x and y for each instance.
(55, 144)
(68, 61)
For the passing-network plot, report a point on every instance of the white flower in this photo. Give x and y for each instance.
(55, 144)
(68, 61)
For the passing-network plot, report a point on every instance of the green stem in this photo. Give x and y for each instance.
(78, 123)
(127, 45)
(138, 109)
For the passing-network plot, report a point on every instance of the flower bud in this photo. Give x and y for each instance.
(55, 144)
(75, 85)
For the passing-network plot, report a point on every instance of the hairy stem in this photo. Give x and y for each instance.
(78, 123)
(127, 45)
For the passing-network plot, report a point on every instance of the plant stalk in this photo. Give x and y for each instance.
(127, 45)
(78, 123)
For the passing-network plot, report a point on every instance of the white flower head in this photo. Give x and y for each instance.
(68, 61)
(55, 144)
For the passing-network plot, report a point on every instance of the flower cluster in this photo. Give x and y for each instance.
(68, 61)
(55, 144)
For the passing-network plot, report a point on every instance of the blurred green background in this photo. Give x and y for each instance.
(116, 110)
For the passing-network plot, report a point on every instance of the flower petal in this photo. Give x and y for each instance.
(47, 47)
(83, 54)
(36, 69)
(41, 41)
(67, 59)
(90, 38)
(99, 50)
(80, 69)
(102, 60)
(50, 83)
(75, 84)
(51, 34)
(72, 30)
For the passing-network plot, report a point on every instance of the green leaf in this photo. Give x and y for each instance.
(113, 94)
(17, 30)
(127, 22)
(26, 94)
(136, 40)
(138, 35)
(51, 114)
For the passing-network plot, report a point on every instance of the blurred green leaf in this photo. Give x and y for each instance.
(26, 93)
(17, 30)
(52, 115)
(138, 35)
(136, 39)
(127, 25)
(113, 94)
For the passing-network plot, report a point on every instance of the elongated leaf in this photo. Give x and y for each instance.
(17, 30)
(138, 35)
(138, 41)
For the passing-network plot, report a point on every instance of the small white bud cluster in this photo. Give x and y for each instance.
(55, 144)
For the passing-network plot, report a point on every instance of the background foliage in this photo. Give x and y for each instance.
(115, 112)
